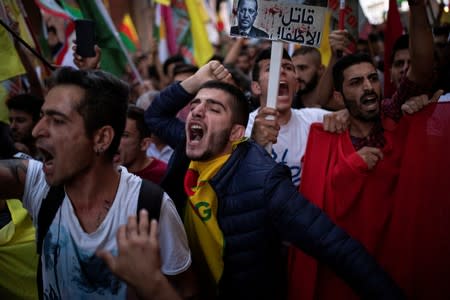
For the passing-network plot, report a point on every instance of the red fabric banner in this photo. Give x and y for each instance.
(400, 210)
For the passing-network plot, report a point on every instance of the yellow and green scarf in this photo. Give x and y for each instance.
(200, 219)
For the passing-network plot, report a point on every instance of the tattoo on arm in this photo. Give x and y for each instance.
(16, 168)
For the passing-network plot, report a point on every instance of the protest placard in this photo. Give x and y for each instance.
(292, 21)
(287, 20)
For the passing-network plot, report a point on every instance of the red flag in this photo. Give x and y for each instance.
(400, 210)
(417, 247)
(362, 208)
(392, 32)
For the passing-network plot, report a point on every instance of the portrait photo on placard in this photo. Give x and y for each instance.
(246, 12)
(288, 20)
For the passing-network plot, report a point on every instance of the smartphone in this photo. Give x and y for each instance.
(85, 37)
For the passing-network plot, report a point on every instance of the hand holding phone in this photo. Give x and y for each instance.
(85, 37)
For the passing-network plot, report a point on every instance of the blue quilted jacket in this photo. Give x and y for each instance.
(258, 209)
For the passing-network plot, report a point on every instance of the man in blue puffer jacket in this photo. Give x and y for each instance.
(239, 205)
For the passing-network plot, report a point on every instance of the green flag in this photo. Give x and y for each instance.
(113, 58)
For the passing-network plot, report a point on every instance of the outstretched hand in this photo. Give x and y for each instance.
(138, 262)
(87, 63)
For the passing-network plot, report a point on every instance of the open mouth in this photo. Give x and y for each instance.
(283, 89)
(47, 158)
(195, 132)
(370, 101)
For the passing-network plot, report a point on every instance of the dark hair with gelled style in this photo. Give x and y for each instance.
(263, 55)
(137, 114)
(104, 103)
(346, 62)
(400, 44)
(239, 104)
(27, 103)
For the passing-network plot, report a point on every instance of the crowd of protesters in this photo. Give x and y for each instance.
(110, 189)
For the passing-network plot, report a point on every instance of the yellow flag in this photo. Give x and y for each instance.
(203, 49)
(11, 65)
(14, 12)
(3, 108)
(445, 18)
(325, 48)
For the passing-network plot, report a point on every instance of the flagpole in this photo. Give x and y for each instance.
(341, 14)
(105, 14)
(341, 22)
(276, 55)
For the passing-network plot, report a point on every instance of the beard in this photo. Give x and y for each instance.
(310, 85)
(358, 113)
(216, 145)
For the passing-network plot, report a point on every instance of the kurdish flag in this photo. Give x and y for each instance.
(113, 59)
(128, 34)
(160, 33)
(64, 56)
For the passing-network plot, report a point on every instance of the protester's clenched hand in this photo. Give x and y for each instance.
(336, 122)
(266, 128)
(218, 71)
(213, 70)
(87, 63)
(415, 104)
(339, 41)
(371, 156)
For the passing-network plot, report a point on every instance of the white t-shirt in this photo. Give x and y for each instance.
(444, 98)
(292, 138)
(163, 155)
(71, 270)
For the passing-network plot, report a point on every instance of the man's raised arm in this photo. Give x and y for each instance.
(420, 72)
(161, 115)
(12, 178)
(421, 44)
